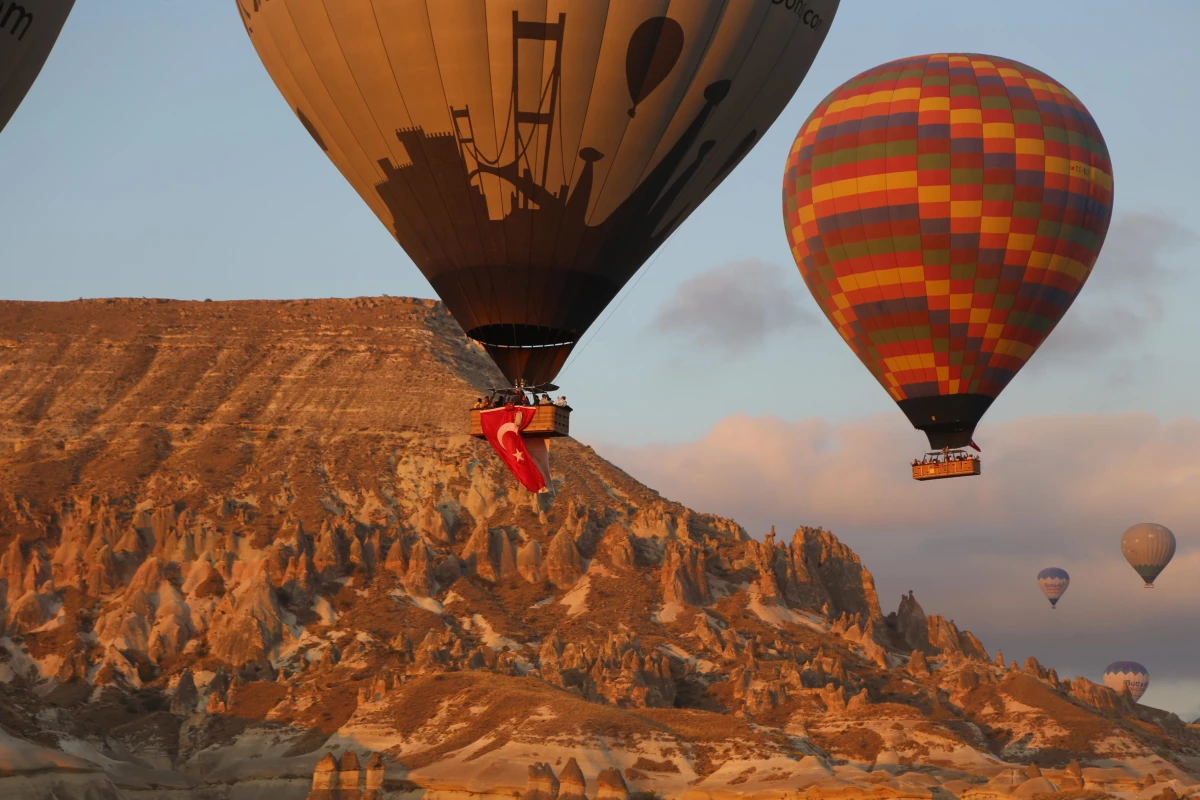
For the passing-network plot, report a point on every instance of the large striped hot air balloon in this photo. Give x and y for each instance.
(1148, 547)
(28, 31)
(1122, 675)
(945, 211)
(1053, 581)
(530, 155)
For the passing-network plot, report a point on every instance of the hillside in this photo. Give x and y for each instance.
(238, 536)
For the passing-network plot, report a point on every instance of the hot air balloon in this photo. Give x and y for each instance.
(530, 156)
(28, 31)
(1122, 675)
(945, 211)
(1148, 548)
(1053, 582)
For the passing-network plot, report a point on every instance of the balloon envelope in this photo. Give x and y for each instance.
(1053, 581)
(28, 31)
(1121, 675)
(945, 211)
(530, 156)
(1148, 547)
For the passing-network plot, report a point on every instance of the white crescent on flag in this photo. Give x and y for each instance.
(510, 427)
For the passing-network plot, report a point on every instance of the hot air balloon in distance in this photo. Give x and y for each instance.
(1122, 675)
(1053, 581)
(945, 211)
(28, 31)
(530, 158)
(1148, 547)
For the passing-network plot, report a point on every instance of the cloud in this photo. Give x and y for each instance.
(1134, 249)
(1055, 490)
(1121, 302)
(1086, 466)
(1098, 331)
(735, 306)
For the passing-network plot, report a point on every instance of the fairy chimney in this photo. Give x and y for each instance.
(325, 777)
(348, 776)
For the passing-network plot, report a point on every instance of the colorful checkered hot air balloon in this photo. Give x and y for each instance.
(1053, 581)
(945, 211)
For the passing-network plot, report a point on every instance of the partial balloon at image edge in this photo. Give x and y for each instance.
(35, 34)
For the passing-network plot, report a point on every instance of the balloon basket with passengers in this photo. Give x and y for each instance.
(551, 418)
(945, 463)
(944, 211)
(519, 423)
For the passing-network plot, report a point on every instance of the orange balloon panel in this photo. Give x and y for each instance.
(945, 211)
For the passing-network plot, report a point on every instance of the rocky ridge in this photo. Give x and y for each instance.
(234, 536)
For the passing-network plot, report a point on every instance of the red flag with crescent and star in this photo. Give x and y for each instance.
(502, 427)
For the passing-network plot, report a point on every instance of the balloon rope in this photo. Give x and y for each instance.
(641, 274)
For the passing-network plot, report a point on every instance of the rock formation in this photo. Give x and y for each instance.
(563, 564)
(345, 779)
(228, 527)
(683, 575)
(571, 785)
(611, 786)
(542, 783)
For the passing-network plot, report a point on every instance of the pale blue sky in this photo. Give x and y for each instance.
(154, 157)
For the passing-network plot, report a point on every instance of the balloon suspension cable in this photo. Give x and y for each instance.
(641, 274)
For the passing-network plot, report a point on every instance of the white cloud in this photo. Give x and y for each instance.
(1088, 469)
(1121, 302)
(735, 306)
(1055, 490)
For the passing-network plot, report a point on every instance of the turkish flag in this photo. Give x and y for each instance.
(502, 427)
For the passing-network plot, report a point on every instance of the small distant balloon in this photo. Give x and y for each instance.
(1122, 675)
(1053, 581)
(1148, 547)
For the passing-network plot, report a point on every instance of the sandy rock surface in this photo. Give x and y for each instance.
(248, 550)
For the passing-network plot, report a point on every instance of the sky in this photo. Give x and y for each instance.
(155, 158)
